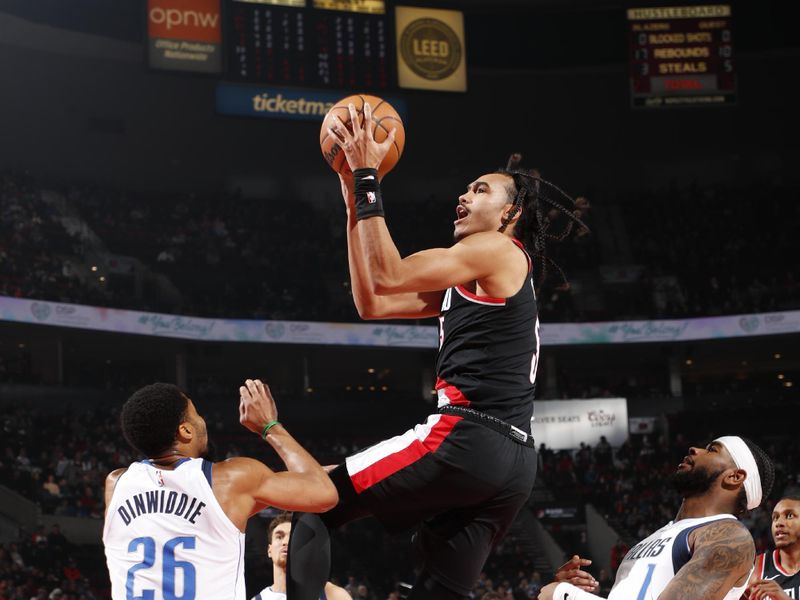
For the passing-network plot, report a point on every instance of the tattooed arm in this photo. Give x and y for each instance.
(722, 556)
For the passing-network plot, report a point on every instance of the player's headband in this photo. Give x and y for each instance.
(743, 459)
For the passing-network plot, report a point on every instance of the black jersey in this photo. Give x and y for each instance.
(489, 351)
(768, 566)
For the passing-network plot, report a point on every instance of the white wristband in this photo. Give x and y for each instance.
(567, 591)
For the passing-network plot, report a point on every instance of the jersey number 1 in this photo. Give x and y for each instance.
(169, 568)
(647, 579)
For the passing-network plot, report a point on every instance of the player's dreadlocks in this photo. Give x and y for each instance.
(540, 213)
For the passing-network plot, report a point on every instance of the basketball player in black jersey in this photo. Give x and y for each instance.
(461, 477)
(777, 573)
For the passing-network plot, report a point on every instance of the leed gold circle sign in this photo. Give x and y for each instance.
(430, 48)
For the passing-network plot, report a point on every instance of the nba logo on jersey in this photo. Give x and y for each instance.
(371, 197)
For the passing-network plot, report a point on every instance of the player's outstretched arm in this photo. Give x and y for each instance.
(305, 486)
(370, 305)
(722, 556)
(571, 572)
(473, 258)
(288, 490)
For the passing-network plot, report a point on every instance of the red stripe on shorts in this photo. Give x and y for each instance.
(399, 460)
(452, 392)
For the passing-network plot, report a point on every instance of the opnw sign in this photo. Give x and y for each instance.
(185, 35)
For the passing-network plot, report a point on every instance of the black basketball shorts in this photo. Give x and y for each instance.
(460, 483)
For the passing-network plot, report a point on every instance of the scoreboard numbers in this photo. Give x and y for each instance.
(681, 56)
(276, 42)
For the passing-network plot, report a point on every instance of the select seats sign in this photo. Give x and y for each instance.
(185, 35)
(431, 53)
(564, 424)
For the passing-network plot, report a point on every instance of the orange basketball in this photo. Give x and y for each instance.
(384, 119)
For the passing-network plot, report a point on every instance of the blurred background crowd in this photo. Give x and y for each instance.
(664, 253)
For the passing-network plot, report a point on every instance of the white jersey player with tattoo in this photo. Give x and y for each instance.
(705, 553)
(651, 564)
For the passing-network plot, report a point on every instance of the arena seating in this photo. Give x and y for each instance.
(673, 256)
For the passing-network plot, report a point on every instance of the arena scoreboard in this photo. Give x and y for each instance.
(681, 56)
(313, 43)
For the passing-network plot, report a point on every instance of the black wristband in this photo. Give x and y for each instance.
(368, 194)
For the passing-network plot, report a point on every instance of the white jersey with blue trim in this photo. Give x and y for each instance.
(167, 538)
(651, 564)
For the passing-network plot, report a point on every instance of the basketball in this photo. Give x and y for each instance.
(384, 119)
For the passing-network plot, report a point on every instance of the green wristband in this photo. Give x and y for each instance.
(267, 427)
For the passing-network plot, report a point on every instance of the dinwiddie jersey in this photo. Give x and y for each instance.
(167, 538)
(768, 566)
(650, 565)
(489, 352)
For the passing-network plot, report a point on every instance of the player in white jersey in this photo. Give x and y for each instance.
(280, 529)
(174, 524)
(705, 553)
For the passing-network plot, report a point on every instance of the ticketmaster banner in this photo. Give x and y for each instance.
(58, 314)
(564, 424)
(281, 103)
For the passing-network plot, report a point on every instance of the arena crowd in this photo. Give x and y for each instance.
(676, 252)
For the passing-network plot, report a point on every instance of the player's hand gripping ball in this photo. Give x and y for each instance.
(384, 118)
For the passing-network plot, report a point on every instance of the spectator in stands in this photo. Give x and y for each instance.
(603, 452)
(23, 462)
(51, 487)
(535, 584)
(39, 576)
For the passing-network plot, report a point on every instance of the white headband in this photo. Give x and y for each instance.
(744, 459)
